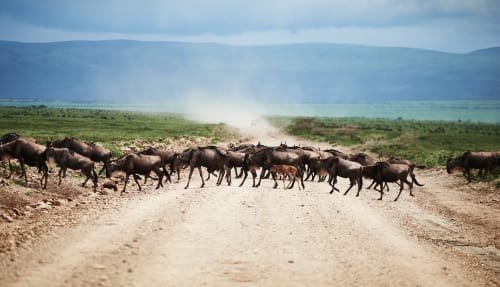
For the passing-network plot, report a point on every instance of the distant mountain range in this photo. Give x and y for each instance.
(124, 70)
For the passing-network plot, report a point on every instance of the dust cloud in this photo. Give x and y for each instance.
(237, 110)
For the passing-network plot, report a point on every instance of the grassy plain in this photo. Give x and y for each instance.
(103, 126)
(426, 142)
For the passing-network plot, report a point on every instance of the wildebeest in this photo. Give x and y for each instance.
(308, 157)
(6, 138)
(392, 172)
(133, 164)
(412, 165)
(337, 166)
(285, 171)
(27, 152)
(210, 157)
(362, 158)
(91, 150)
(267, 157)
(236, 159)
(472, 160)
(167, 157)
(66, 158)
(177, 166)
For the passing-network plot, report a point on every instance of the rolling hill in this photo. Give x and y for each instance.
(122, 70)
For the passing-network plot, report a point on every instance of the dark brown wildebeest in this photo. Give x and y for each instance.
(369, 163)
(469, 160)
(27, 152)
(267, 157)
(393, 172)
(236, 159)
(133, 164)
(337, 153)
(91, 150)
(314, 163)
(309, 157)
(412, 165)
(167, 157)
(177, 166)
(285, 171)
(210, 157)
(6, 138)
(66, 158)
(344, 168)
(362, 158)
(250, 167)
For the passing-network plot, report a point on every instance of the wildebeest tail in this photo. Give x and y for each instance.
(414, 178)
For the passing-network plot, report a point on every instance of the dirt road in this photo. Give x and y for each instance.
(447, 235)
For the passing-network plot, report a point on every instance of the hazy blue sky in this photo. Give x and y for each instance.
(446, 25)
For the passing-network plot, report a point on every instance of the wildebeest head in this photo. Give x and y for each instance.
(185, 156)
(453, 164)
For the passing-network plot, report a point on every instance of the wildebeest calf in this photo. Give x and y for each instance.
(284, 170)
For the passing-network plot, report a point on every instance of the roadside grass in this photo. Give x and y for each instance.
(104, 126)
(429, 143)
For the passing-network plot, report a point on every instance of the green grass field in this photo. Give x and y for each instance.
(103, 126)
(426, 142)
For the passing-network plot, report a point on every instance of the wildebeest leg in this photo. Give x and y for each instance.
(11, 170)
(189, 177)
(23, 171)
(266, 175)
(359, 182)
(261, 176)
(88, 175)
(94, 179)
(353, 182)
(228, 177)
(137, 182)
(301, 174)
(125, 184)
(467, 174)
(381, 190)
(292, 184)
(274, 176)
(59, 174)
(220, 177)
(309, 173)
(241, 172)
(85, 182)
(371, 184)
(332, 182)
(167, 175)
(103, 168)
(45, 173)
(400, 189)
(410, 183)
(201, 175)
(245, 177)
(254, 176)
(159, 174)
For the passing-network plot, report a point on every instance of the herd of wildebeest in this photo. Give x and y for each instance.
(295, 164)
